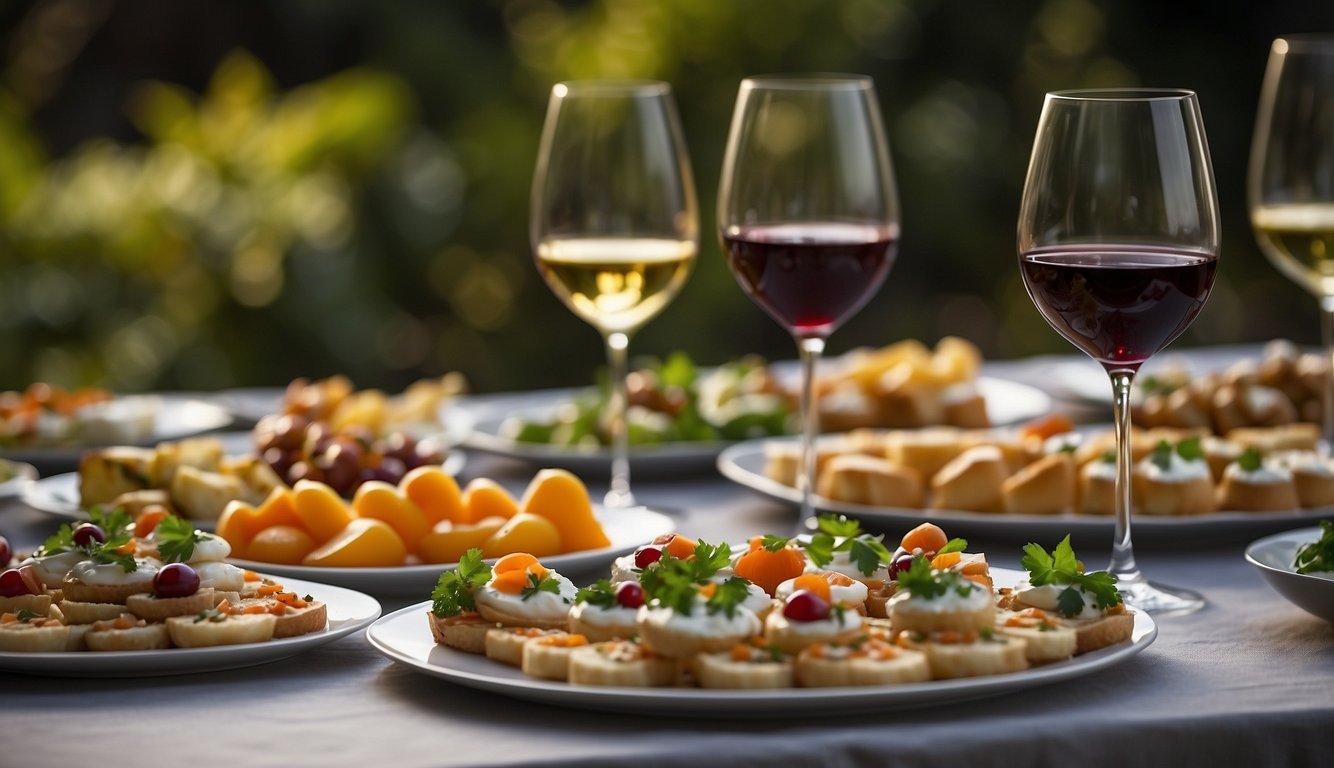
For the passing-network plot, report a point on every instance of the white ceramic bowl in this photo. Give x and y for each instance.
(1273, 557)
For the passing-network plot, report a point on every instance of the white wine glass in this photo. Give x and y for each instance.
(1290, 186)
(614, 222)
(1118, 248)
(808, 214)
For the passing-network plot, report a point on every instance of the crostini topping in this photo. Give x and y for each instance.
(176, 539)
(1061, 568)
(20, 581)
(805, 605)
(175, 580)
(838, 535)
(926, 583)
(453, 590)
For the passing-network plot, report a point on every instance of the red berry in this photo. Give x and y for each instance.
(87, 533)
(629, 594)
(19, 581)
(647, 555)
(175, 580)
(6, 552)
(805, 605)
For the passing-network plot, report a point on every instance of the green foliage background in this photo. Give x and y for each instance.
(209, 195)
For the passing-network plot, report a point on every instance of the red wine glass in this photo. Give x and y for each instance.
(808, 214)
(1118, 248)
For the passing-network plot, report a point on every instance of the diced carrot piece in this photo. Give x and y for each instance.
(128, 548)
(517, 561)
(681, 547)
(147, 521)
(769, 569)
(509, 582)
(814, 583)
(277, 608)
(708, 589)
(1047, 426)
(928, 537)
(740, 652)
(947, 560)
(269, 589)
(251, 576)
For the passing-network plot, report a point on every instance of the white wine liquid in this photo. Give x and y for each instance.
(616, 284)
(1299, 239)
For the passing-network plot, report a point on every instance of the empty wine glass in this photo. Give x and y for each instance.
(808, 214)
(1291, 180)
(614, 222)
(1118, 248)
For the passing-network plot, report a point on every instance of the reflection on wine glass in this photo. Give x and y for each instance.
(614, 222)
(1118, 248)
(1291, 180)
(808, 214)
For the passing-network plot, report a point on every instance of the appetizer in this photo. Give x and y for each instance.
(683, 612)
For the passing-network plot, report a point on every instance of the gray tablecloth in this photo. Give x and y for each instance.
(1247, 681)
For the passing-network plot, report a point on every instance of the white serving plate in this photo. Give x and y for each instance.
(1273, 556)
(627, 529)
(23, 476)
(58, 495)
(349, 611)
(179, 416)
(743, 464)
(405, 638)
(1008, 402)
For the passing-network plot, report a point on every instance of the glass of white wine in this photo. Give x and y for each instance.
(614, 221)
(1291, 179)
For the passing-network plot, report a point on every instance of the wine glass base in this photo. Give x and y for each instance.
(1159, 600)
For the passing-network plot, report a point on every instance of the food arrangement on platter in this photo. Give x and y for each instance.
(327, 430)
(122, 583)
(835, 609)
(1046, 469)
(1283, 386)
(425, 518)
(904, 384)
(45, 416)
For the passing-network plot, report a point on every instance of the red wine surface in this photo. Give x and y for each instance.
(811, 277)
(1120, 304)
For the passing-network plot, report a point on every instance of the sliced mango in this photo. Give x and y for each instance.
(562, 498)
(363, 543)
(238, 524)
(285, 544)
(278, 508)
(448, 543)
(322, 512)
(484, 497)
(524, 532)
(384, 501)
(435, 493)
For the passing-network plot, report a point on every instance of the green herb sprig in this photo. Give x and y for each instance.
(176, 539)
(539, 584)
(601, 593)
(1061, 567)
(927, 583)
(453, 590)
(1319, 554)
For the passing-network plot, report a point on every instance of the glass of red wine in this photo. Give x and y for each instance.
(808, 214)
(1118, 248)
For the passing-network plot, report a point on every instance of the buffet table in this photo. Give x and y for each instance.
(1246, 681)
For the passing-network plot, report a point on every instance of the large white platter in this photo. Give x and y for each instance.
(1008, 402)
(404, 637)
(349, 612)
(58, 495)
(178, 417)
(627, 529)
(23, 476)
(743, 464)
(1273, 556)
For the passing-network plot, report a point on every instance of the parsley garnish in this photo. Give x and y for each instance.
(838, 525)
(601, 593)
(1190, 449)
(838, 533)
(1250, 459)
(115, 521)
(106, 552)
(60, 541)
(211, 614)
(772, 542)
(927, 583)
(453, 591)
(176, 539)
(1062, 567)
(1162, 455)
(728, 596)
(25, 615)
(538, 584)
(710, 558)
(953, 545)
(1318, 555)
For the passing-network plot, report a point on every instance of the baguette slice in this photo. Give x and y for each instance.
(1046, 637)
(32, 637)
(621, 663)
(548, 656)
(505, 644)
(745, 667)
(153, 608)
(874, 661)
(1099, 633)
(465, 632)
(142, 638)
(998, 655)
(194, 632)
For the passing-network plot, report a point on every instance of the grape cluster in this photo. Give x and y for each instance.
(298, 448)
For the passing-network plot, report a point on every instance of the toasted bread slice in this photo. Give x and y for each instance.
(466, 632)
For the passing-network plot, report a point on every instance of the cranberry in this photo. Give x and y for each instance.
(899, 564)
(629, 594)
(175, 580)
(647, 555)
(6, 552)
(19, 581)
(805, 605)
(87, 533)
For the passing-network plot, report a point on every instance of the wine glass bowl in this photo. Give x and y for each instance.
(808, 213)
(1290, 184)
(614, 223)
(1118, 248)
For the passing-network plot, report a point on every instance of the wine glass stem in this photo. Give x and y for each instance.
(1327, 402)
(618, 494)
(810, 349)
(1123, 555)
